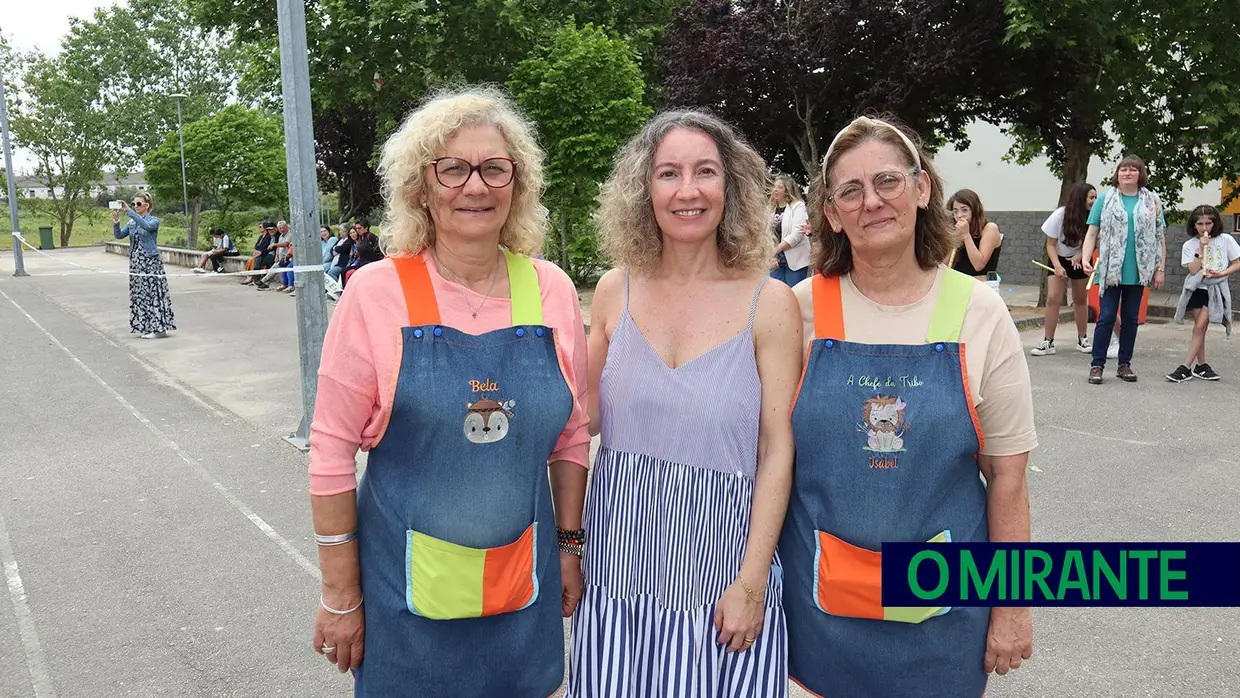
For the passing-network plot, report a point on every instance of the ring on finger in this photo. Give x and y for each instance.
(328, 649)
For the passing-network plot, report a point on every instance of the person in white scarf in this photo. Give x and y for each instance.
(1128, 226)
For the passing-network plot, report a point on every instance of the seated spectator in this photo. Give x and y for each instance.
(329, 247)
(263, 256)
(343, 252)
(282, 247)
(221, 247)
(365, 250)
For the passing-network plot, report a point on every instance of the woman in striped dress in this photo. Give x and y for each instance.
(693, 365)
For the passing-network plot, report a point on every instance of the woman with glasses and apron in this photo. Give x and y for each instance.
(459, 364)
(914, 383)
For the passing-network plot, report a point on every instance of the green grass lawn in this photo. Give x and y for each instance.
(95, 227)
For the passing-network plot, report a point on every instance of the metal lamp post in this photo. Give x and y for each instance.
(184, 187)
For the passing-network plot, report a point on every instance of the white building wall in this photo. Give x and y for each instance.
(1004, 186)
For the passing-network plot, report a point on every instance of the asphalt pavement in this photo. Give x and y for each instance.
(155, 529)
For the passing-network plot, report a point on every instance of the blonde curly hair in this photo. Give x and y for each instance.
(404, 165)
(628, 233)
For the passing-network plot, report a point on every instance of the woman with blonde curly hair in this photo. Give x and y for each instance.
(693, 362)
(466, 554)
(915, 391)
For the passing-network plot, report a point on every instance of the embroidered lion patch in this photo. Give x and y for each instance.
(883, 424)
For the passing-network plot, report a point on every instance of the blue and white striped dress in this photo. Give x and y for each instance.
(667, 518)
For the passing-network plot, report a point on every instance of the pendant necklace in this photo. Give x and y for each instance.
(460, 282)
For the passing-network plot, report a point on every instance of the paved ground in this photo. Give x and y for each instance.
(154, 526)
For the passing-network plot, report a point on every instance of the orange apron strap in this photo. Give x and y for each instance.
(415, 281)
(828, 308)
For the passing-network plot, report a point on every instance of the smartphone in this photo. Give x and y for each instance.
(114, 205)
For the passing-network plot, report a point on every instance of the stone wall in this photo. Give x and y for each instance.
(1023, 241)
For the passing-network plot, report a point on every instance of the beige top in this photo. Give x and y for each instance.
(994, 356)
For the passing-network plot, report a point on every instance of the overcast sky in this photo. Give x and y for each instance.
(30, 24)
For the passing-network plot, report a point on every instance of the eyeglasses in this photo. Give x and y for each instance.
(453, 173)
(138, 203)
(889, 185)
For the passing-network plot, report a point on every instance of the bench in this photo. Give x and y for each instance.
(178, 256)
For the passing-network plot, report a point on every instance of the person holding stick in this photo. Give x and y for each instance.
(1065, 232)
(1210, 256)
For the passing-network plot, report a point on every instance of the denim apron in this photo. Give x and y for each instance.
(887, 442)
(456, 530)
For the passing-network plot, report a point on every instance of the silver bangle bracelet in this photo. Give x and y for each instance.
(333, 611)
(338, 539)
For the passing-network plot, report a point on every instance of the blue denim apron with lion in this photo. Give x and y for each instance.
(887, 442)
(456, 530)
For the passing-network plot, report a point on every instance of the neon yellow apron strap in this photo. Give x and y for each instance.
(524, 290)
(949, 309)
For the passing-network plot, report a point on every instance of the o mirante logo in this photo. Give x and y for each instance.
(1061, 574)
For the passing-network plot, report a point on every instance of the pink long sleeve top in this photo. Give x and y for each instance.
(361, 359)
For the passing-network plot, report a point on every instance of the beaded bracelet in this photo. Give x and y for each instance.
(577, 537)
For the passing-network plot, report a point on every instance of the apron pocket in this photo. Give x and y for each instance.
(848, 582)
(446, 581)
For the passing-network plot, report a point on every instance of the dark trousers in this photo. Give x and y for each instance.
(1124, 300)
(215, 258)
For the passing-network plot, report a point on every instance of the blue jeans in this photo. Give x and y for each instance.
(1117, 299)
(791, 277)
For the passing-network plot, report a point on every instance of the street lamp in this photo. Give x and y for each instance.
(184, 188)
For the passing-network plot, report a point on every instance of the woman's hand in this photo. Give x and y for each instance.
(738, 618)
(1160, 277)
(1076, 260)
(1086, 266)
(124, 205)
(570, 578)
(116, 216)
(1059, 270)
(1009, 640)
(340, 637)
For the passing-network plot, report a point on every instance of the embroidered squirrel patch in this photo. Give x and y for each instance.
(883, 424)
(486, 421)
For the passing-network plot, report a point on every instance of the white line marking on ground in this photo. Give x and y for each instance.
(301, 560)
(40, 679)
(1100, 436)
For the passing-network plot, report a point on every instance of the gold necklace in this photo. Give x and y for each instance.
(461, 282)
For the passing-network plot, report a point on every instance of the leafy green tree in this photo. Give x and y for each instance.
(584, 91)
(142, 52)
(235, 158)
(1160, 74)
(58, 121)
(371, 62)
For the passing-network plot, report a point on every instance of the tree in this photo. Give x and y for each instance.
(584, 91)
(370, 63)
(234, 157)
(790, 73)
(1159, 73)
(140, 54)
(58, 120)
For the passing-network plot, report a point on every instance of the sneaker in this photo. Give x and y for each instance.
(1095, 375)
(1084, 346)
(1204, 372)
(1113, 349)
(199, 270)
(1044, 348)
(1124, 373)
(261, 286)
(155, 335)
(1180, 375)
